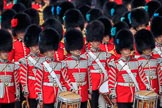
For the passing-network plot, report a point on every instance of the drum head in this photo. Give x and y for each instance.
(146, 95)
(104, 87)
(69, 97)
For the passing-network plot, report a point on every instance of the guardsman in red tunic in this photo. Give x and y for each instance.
(157, 52)
(121, 84)
(106, 45)
(9, 86)
(97, 59)
(145, 44)
(19, 23)
(27, 70)
(54, 23)
(46, 85)
(74, 67)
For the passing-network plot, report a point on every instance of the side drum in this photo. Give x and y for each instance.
(68, 99)
(145, 99)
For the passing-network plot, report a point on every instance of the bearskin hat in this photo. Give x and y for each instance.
(123, 39)
(48, 40)
(73, 18)
(1, 5)
(117, 27)
(33, 14)
(79, 3)
(139, 17)
(32, 35)
(93, 14)
(99, 3)
(73, 40)
(156, 26)
(6, 18)
(138, 3)
(126, 2)
(144, 40)
(119, 11)
(158, 12)
(64, 7)
(95, 31)
(151, 7)
(26, 3)
(49, 12)
(6, 41)
(84, 9)
(107, 24)
(19, 23)
(54, 23)
(19, 7)
(109, 9)
(125, 18)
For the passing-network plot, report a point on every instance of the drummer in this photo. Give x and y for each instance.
(121, 84)
(97, 60)
(156, 25)
(145, 44)
(74, 67)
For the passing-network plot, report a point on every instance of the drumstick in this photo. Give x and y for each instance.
(71, 92)
(152, 91)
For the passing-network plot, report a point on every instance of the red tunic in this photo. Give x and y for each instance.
(109, 48)
(46, 87)
(150, 68)
(75, 75)
(124, 89)
(19, 51)
(60, 53)
(27, 75)
(96, 73)
(9, 78)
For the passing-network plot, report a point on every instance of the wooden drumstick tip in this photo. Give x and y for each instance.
(152, 91)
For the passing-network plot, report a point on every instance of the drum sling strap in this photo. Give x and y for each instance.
(53, 74)
(127, 69)
(99, 63)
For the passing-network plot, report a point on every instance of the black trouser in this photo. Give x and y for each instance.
(158, 104)
(125, 105)
(48, 105)
(94, 100)
(8, 105)
(33, 103)
(19, 103)
(83, 104)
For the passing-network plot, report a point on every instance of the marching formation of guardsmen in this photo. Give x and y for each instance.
(50, 46)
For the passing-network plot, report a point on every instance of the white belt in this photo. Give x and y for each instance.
(126, 84)
(95, 71)
(31, 77)
(9, 84)
(50, 84)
